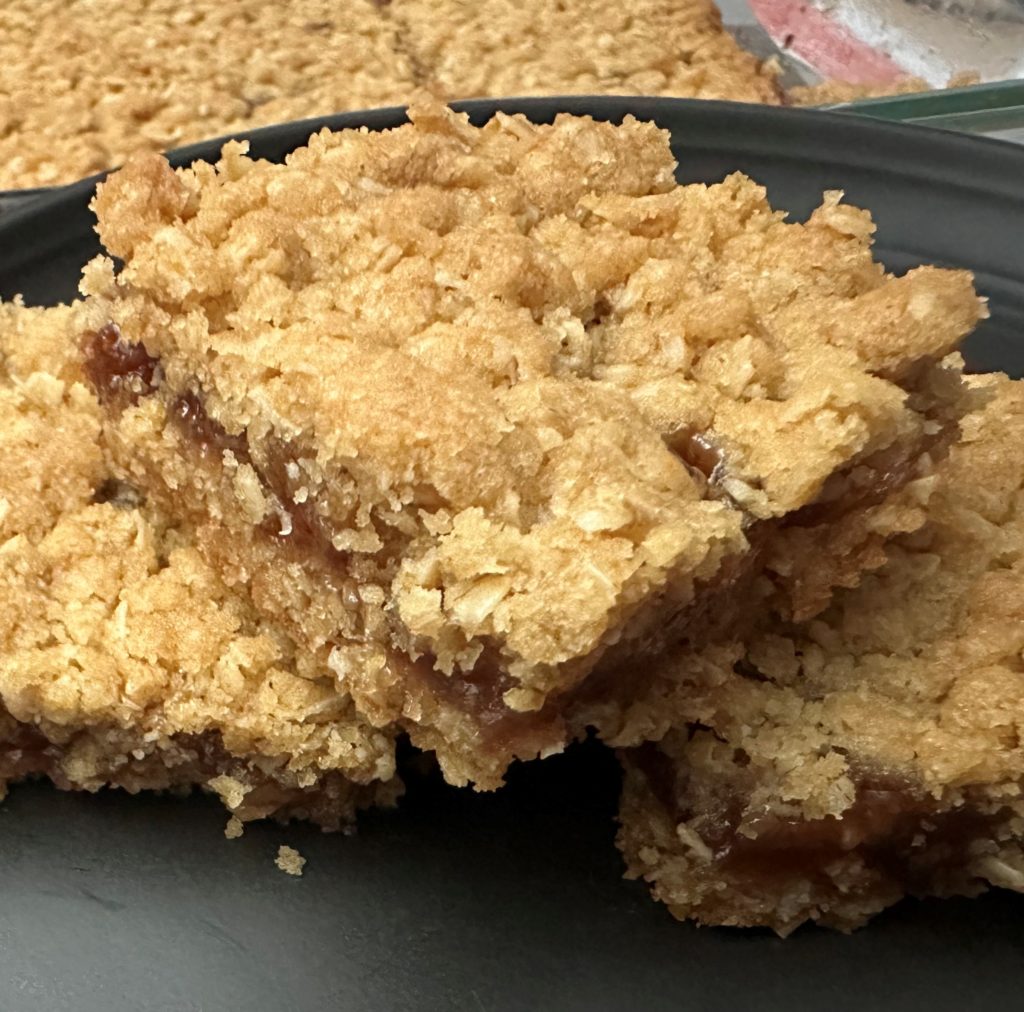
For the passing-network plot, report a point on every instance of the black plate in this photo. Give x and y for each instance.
(513, 900)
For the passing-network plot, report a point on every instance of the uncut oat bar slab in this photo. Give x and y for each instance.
(477, 412)
(124, 659)
(822, 771)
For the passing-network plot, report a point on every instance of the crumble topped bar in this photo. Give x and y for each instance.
(478, 410)
(124, 659)
(821, 771)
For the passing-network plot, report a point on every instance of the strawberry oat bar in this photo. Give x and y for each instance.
(479, 414)
(124, 659)
(822, 770)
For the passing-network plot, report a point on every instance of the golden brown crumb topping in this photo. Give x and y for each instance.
(475, 396)
(474, 48)
(85, 83)
(465, 380)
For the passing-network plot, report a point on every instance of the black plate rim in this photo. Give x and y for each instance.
(967, 161)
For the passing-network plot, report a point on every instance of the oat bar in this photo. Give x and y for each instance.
(479, 412)
(124, 659)
(821, 771)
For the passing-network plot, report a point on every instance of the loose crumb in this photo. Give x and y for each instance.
(234, 829)
(289, 860)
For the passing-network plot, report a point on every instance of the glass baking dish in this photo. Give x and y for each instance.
(994, 110)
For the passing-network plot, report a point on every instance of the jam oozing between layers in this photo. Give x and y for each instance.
(184, 760)
(901, 833)
(306, 531)
(116, 367)
(122, 373)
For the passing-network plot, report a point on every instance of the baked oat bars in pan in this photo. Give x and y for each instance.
(820, 771)
(478, 414)
(124, 659)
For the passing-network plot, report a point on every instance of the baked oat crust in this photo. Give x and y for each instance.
(86, 83)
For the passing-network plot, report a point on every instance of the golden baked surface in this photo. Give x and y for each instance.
(457, 272)
(474, 48)
(821, 771)
(84, 83)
